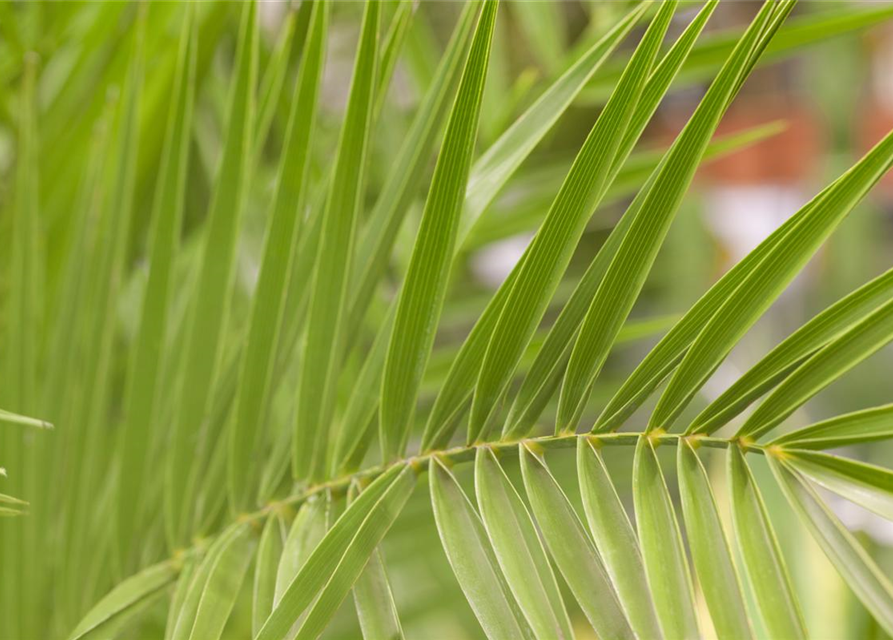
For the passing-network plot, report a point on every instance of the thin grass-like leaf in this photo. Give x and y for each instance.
(188, 610)
(627, 273)
(123, 597)
(377, 239)
(472, 558)
(572, 548)
(766, 282)
(374, 602)
(865, 484)
(460, 381)
(500, 162)
(616, 540)
(867, 425)
(710, 552)
(518, 549)
(853, 563)
(326, 320)
(8, 417)
(222, 587)
(823, 328)
(320, 567)
(207, 317)
(368, 535)
(763, 563)
(178, 597)
(551, 249)
(247, 434)
(141, 402)
(662, 551)
(824, 367)
(269, 553)
(307, 530)
(424, 287)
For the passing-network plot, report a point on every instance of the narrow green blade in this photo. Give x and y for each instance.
(860, 341)
(374, 602)
(269, 552)
(224, 581)
(572, 548)
(763, 563)
(307, 530)
(629, 269)
(424, 287)
(377, 239)
(850, 559)
(501, 160)
(316, 572)
(865, 484)
(357, 554)
(326, 320)
(715, 569)
(126, 595)
(867, 425)
(518, 549)
(616, 541)
(550, 251)
(766, 282)
(188, 610)
(13, 418)
(823, 328)
(209, 311)
(662, 550)
(140, 411)
(459, 385)
(248, 432)
(178, 598)
(472, 558)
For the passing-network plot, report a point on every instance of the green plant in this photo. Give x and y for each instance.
(208, 424)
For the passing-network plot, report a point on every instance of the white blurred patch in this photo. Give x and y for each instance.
(742, 216)
(492, 264)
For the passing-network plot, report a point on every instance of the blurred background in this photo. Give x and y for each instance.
(817, 110)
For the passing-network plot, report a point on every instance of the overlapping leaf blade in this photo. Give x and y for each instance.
(853, 563)
(763, 563)
(140, 411)
(710, 552)
(766, 282)
(616, 541)
(551, 249)
(368, 511)
(865, 484)
(867, 425)
(572, 548)
(209, 311)
(823, 328)
(424, 287)
(662, 550)
(626, 274)
(326, 322)
(472, 558)
(125, 596)
(831, 362)
(519, 550)
(248, 431)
